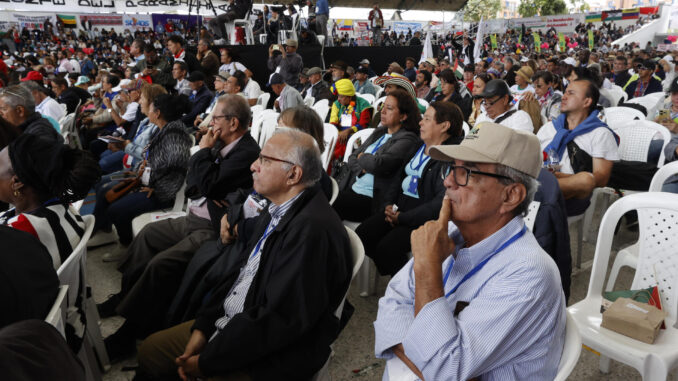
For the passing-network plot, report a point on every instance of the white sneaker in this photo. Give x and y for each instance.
(103, 238)
(116, 255)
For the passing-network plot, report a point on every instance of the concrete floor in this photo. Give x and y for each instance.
(354, 349)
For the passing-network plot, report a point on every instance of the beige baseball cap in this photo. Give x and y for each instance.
(495, 144)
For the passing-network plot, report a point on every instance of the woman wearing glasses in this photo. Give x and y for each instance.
(375, 165)
(161, 173)
(417, 197)
(450, 92)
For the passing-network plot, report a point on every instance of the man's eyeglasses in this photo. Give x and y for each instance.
(461, 174)
(267, 159)
(217, 117)
(485, 103)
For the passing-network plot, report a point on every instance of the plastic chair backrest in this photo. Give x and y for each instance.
(618, 116)
(330, 136)
(657, 262)
(380, 91)
(322, 107)
(56, 315)
(571, 350)
(257, 121)
(309, 101)
(650, 102)
(466, 128)
(270, 122)
(335, 190)
(368, 97)
(72, 270)
(362, 135)
(378, 103)
(531, 216)
(662, 175)
(256, 109)
(263, 99)
(635, 138)
(357, 257)
(423, 102)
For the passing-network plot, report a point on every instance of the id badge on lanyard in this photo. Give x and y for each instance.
(346, 120)
(414, 184)
(146, 176)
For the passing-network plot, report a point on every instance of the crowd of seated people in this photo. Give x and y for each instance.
(257, 268)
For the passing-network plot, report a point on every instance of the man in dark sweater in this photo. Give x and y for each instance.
(274, 315)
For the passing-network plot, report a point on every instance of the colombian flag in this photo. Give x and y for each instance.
(630, 14)
(595, 17)
(68, 20)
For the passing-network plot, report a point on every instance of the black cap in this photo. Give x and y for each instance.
(674, 86)
(276, 79)
(196, 76)
(496, 87)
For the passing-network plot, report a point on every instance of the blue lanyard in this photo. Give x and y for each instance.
(379, 144)
(261, 240)
(423, 158)
(481, 264)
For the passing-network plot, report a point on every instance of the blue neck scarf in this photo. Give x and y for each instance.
(565, 135)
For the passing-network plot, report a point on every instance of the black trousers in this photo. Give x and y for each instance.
(387, 245)
(352, 206)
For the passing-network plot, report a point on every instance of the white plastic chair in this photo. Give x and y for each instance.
(57, 314)
(423, 102)
(657, 265)
(362, 135)
(571, 350)
(263, 99)
(284, 34)
(257, 121)
(378, 103)
(330, 136)
(617, 94)
(380, 91)
(322, 107)
(368, 97)
(634, 144)
(531, 216)
(357, 258)
(628, 256)
(246, 24)
(142, 220)
(256, 109)
(73, 273)
(651, 102)
(309, 101)
(466, 128)
(268, 126)
(335, 190)
(616, 116)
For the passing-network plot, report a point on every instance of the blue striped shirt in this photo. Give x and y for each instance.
(235, 299)
(512, 329)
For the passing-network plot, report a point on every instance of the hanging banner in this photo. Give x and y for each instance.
(537, 42)
(33, 21)
(493, 40)
(561, 41)
(68, 20)
(590, 39)
(173, 23)
(344, 24)
(404, 27)
(201, 7)
(561, 23)
(362, 26)
(102, 20)
(137, 22)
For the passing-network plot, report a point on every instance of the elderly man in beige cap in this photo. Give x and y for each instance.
(480, 299)
(289, 64)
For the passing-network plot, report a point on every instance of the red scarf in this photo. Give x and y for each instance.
(178, 55)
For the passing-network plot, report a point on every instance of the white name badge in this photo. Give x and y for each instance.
(146, 176)
(346, 120)
(252, 207)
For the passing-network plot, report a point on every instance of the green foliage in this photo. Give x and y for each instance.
(488, 9)
(529, 8)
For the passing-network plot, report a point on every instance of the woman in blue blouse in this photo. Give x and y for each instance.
(375, 165)
(417, 198)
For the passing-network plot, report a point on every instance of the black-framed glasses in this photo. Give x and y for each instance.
(461, 174)
(264, 159)
(217, 117)
(485, 103)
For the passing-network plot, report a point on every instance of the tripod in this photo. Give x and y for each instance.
(196, 4)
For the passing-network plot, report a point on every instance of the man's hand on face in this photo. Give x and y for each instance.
(431, 244)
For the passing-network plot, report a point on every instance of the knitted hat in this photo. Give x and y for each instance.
(343, 87)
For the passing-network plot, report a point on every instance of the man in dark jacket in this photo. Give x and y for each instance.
(621, 71)
(17, 107)
(201, 97)
(70, 96)
(158, 69)
(646, 83)
(158, 256)
(318, 88)
(273, 316)
(176, 45)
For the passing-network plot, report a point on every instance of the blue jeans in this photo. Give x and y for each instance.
(111, 161)
(123, 210)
